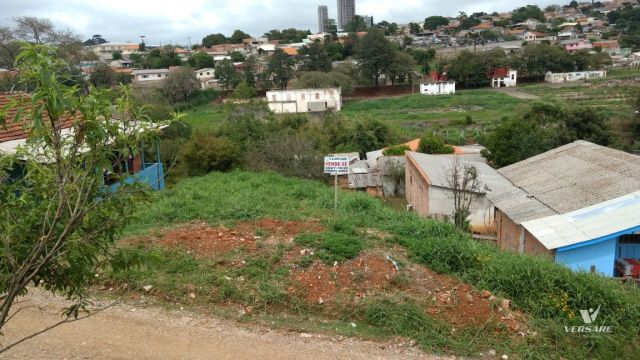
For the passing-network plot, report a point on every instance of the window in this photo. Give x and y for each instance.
(274, 98)
(302, 96)
(159, 75)
(207, 73)
(317, 96)
(145, 76)
(288, 97)
(513, 76)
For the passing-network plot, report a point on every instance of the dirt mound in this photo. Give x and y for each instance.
(278, 230)
(459, 303)
(201, 239)
(370, 274)
(321, 283)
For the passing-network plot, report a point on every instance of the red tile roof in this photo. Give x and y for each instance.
(14, 130)
(499, 73)
(606, 44)
(290, 51)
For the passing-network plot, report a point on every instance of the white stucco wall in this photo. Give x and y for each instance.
(438, 88)
(441, 204)
(298, 101)
(573, 76)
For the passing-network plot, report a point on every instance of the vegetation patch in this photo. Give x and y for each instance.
(451, 294)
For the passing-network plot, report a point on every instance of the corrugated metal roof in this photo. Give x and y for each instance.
(597, 222)
(436, 167)
(572, 177)
(516, 204)
(358, 181)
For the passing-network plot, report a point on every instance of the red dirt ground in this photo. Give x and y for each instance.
(321, 283)
(368, 274)
(203, 240)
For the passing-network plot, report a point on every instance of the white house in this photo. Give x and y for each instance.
(573, 76)
(149, 75)
(205, 73)
(438, 88)
(304, 100)
(106, 50)
(502, 77)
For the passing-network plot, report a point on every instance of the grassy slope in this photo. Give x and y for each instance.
(543, 290)
(204, 118)
(412, 115)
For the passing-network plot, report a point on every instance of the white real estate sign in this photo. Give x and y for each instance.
(336, 165)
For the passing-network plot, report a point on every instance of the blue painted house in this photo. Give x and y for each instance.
(579, 204)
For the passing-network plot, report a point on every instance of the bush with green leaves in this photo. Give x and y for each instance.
(205, 153)
(243, 91)
(59, 221)
(396, 150)
(434, 144)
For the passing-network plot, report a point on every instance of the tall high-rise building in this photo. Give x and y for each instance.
(323, 16)
(368, 20)
(346, 12)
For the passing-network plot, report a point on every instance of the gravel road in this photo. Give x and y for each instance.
(128, 332)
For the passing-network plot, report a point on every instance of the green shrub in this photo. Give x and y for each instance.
(332, 246)
(396, 150)
(207, 153)
(434, 144)
(243, 91)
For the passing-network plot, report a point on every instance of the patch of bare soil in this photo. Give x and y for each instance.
(278, 231)
(202, 240)
(460, 303)
(324, 284)
(369, 274)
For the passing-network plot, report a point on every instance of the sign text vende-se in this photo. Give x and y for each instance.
(336, 165)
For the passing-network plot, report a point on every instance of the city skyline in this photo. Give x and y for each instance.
(125, 21)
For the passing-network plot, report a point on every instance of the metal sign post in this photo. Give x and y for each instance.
(335, 193)
(336, 165)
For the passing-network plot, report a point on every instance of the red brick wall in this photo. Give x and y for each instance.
(509, 237)
(417, 188)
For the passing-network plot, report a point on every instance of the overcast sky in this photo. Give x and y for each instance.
(173, 21)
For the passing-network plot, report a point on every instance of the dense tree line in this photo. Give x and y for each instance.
(471, 69)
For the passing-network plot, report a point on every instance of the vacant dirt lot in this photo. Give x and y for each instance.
(127, 332)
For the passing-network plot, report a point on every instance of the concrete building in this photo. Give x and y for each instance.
(578, 204)
(430, 195)
(106, 50)
(149, 75)
(438, 88)
(346, 12)
(368, 20)
(304, 100)
(323, 16)
(502, 77)
(573, 76)
(573, 45)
